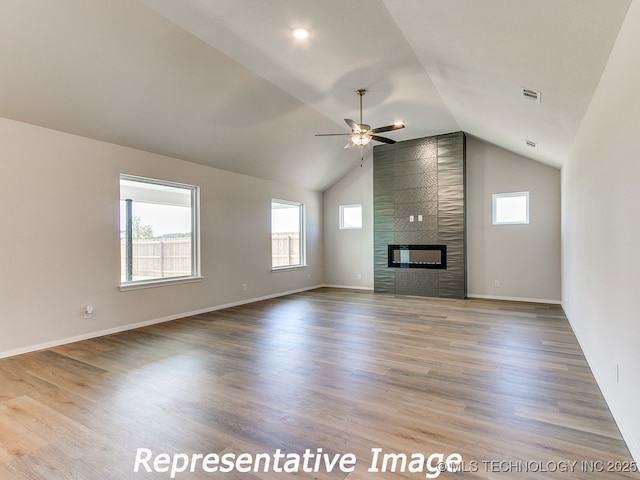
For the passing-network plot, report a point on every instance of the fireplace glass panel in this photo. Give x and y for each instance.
(417, 256)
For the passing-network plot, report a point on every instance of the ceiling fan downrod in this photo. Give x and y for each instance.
(361, 93)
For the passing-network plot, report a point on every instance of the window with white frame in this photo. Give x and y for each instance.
(350, 217)
(158, 231)
(287, 234)
(510, 208)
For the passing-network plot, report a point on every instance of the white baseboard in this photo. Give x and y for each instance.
(133, 326)
(515, 299)
(627, 434)
(471, 295)
(349, 287)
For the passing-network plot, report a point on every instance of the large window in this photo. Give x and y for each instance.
(287, 234)
(158, 231)
(510, 208)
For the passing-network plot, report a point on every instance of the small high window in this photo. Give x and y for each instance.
(350, 217)
(510, 208)
(158, 231)
(287, 234)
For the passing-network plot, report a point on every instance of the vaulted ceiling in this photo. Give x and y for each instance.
(222, 83)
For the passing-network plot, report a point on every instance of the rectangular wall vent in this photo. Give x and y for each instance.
(531, 144)
(530, 94)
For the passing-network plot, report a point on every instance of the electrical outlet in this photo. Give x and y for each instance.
(617, 373)
(359, 276)
(244, 287)
(88, 312)
(496, 283)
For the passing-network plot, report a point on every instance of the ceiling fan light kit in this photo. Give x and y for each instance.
(360, 139)
(361, 133)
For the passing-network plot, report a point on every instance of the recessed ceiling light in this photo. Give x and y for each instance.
(300, 33)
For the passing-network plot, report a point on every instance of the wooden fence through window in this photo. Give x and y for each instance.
(171, 257)
(159, 258)
(285, 249)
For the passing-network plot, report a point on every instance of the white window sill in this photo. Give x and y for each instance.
(125, 287)
(287, 267)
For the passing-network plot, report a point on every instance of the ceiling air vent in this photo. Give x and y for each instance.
(531, 144)
(532, 95)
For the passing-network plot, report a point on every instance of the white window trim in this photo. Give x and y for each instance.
(497, 196)
(303, 235)
(126, 287)
(287, 267)
(196, 275)
(341, 216)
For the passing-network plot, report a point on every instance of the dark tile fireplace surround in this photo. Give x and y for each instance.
(419, 217)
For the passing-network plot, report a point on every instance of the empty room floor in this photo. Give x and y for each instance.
(327, 383)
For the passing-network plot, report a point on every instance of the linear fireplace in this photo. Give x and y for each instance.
(417, 256)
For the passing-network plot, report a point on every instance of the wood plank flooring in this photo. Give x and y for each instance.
(505, 385)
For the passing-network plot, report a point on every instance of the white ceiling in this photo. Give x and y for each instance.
(222, 83)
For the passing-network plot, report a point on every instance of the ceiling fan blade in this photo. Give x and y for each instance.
(352, 124)
(388, 128)
(382, 139)
(349, 144)
(330, 134)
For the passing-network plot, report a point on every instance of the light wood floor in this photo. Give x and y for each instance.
(344, 371)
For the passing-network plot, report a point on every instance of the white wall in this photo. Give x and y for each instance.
(601, 231)
(59, 238)
(349, 253)
(525, 259)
